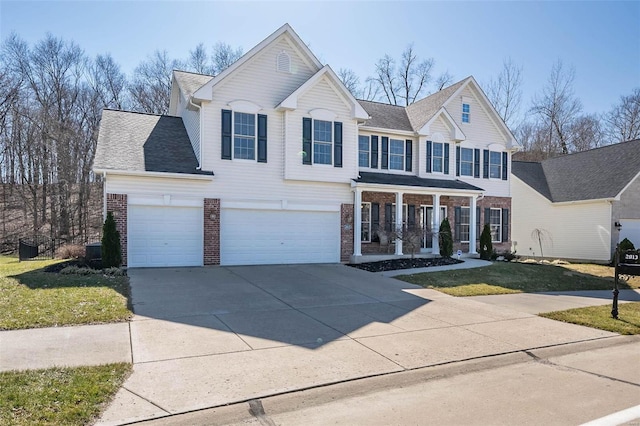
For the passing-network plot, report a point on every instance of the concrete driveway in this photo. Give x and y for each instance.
(206, 337)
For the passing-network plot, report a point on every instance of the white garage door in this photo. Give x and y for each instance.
(631, 230)
(164, 236)
(257, 237)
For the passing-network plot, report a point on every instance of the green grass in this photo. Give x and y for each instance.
(513, 277)
(58, 396)
(32, 298)
(600, 317)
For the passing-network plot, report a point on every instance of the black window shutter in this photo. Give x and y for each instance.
(477, 223)
(485, 160)
(411, 216)
(374, 152)
(457, 161)
(262, 138)
(387, 217)
(337, 144)
(429, 161)
(408, 155)
(306, 140)
(504, 166)
(476, 163)
(375, 221)
(226, 134)
(446, 158)
(487, 215)
(505, 225)
(456, 226)
(385, 153)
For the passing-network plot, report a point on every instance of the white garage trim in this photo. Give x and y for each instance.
(257, 237)
(159, 236)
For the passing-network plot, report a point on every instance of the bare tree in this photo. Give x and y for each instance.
(505, 92)
(623, 121)
(151, 85)
(556, 106)
(443, 80)
(223, 56)
(585, 133)
(108, 83)
(350, 80)
(414, 75)
(199, 60)
(387, 79)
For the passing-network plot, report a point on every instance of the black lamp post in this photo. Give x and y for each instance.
(616, 260)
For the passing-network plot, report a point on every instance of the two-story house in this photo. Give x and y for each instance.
(265, 162)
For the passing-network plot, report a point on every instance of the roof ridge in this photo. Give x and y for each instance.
(141, 113)
(573, 154)
(194, 73)
(381, 103)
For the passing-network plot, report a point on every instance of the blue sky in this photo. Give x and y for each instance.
(600, 39)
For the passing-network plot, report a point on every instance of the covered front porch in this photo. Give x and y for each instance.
(400, 216)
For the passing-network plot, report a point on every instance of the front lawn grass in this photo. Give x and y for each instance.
(58, 396)
(32, 298)
(514, 277)
(600, 317)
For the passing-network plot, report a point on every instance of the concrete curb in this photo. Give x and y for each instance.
(467, 264)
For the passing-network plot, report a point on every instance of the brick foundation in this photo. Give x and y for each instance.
(449, 202)
(211, 231)
(117, 204)
(346, 232)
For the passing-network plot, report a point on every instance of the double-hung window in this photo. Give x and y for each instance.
(465, 218)
(495, 222)
(322, 141)
(363, 151)
(438, 157)
(244, 136)
(495, 165)
(396, 154)
(466, 110)
(466, 161)
(365, 220)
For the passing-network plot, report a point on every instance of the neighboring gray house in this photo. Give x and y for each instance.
(576, 200)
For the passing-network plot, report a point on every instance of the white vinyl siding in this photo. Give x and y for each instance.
(572, 231)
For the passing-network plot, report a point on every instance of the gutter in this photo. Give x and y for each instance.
(104, 196)
(166, 175)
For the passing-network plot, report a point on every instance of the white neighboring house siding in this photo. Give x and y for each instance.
(577, 231)
(415, 151)
(481, 132)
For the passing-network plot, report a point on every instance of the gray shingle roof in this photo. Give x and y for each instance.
(139, 142)
(423, 110)
(589, 175)
(189, 82)
(386, 116)
(407, 180)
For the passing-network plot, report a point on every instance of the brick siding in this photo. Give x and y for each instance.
(346, 232)
(117, 204)
(211, 231)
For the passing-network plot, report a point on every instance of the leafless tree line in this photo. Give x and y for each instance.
(553, 123)
(51, 98)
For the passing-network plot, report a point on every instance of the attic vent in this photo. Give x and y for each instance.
(283, 62)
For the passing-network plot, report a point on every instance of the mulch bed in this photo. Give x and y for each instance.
(80, 263)
(395, 264)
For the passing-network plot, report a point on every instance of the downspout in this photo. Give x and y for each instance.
(104, 196)
(199, 131)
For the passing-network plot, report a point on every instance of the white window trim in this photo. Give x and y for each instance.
(472, 161)
(433, 157)
(404, 155)
(234, 134)
(461, 224)
(499, 165)
(368, 166)
(313, 142)
(499, 226)
(362, 224)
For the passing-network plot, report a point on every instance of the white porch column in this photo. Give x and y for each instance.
(398, 224)
(357, 223)
(472, 225)
(435, 226)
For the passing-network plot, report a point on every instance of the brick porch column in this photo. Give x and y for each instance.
(211, 231)
(117, 204)
(346, 232)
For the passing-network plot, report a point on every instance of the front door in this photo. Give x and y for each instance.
(426, 220)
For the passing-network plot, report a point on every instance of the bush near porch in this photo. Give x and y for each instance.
(515, 277)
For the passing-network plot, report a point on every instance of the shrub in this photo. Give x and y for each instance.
(509, 255)
(446, 239)
(111, 250)
(486, 246)
(626, 245)
(76, 270)
(70, 251)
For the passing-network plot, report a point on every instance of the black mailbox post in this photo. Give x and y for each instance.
(627, 262)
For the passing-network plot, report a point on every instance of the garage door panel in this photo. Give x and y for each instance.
(164, 236)
(252, 237)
